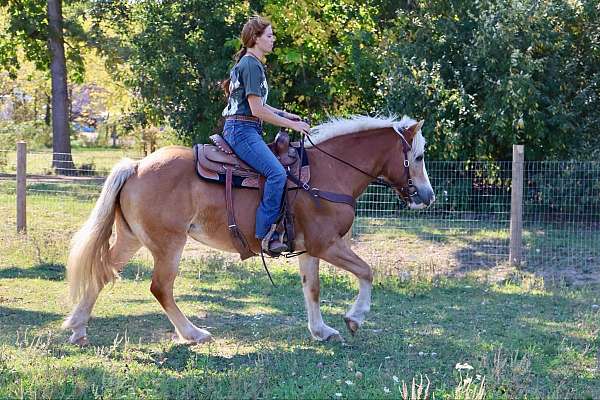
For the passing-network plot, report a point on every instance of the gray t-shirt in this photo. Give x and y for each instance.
(247, 77)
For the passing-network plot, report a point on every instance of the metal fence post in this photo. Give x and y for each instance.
(21, 187)
(516, 207)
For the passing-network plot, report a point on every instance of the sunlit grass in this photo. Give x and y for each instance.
(522, 335)
(39, 162)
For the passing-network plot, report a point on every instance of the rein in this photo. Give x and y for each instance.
(406, 147)
(317, 194)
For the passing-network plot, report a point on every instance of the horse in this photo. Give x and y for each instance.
(159, 201)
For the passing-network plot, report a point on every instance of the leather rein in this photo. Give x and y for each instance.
(317, 194)
(407, 191)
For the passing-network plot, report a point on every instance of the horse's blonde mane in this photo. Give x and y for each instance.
(343, 126)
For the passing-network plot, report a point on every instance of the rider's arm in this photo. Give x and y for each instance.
(282, 113)
(265, 113)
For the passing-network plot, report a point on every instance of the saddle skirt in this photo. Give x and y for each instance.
(212, 162)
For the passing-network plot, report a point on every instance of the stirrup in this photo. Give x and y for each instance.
(271, 246)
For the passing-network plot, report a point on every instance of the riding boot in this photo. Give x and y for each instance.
(272, 243)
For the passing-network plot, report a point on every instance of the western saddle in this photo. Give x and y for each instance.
(218, 163)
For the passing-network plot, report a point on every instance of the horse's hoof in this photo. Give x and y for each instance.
(81, 341)
(351, 325)
(335, 338)
(200, 339)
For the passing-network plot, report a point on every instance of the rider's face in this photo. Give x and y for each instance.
(265, 41)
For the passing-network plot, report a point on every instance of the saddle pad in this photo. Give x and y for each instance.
(210, 169)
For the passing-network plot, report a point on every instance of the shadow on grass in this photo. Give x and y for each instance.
(459, 321)
(47, 271)
(56, 272)
(17, 319)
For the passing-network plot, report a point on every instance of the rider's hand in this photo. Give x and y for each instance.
(300, 126)
(292, 116)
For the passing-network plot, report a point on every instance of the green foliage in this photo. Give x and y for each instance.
(488, 74)
(564, 191)
(26, 28)
(178, 58)
(325, 60)
(483, 74)
(37, 135)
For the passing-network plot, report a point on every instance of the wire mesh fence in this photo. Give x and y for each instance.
(469, 224)
(467, 228)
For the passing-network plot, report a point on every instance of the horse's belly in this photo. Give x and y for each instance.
(212, 239)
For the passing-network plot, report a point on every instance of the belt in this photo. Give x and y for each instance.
(249, 118)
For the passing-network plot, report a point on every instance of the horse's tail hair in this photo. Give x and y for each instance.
(89, 266)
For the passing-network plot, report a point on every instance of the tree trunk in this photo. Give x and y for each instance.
(62, 160)
(47, 116)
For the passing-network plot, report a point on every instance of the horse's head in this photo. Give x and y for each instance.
(405, 166)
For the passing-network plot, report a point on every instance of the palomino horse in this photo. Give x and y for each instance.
(159, 201)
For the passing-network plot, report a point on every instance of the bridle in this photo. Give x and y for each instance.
(406, 192)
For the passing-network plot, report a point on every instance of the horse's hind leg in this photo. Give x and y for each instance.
(166, 265)
(124, 247)
(309, 272)
(340, 255)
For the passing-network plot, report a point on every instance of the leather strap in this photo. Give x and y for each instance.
(248, 118)
(317, 194)
(237, 237)
(289, 221)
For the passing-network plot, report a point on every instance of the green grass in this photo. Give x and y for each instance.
(39, 162)
(525, 337)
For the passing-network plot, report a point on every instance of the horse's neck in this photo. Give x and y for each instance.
(364, 150)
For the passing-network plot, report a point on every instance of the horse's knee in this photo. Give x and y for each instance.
(160, 291)
(366, 276)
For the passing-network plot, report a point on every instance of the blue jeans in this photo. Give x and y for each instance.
(245, 139)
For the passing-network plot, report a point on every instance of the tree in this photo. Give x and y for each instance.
(37, 29)
(325, 61)
(61, 144)
(489, 74)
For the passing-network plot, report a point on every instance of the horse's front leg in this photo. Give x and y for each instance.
(340, 255)
(309, 273)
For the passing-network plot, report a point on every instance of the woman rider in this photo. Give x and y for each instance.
(247, 108)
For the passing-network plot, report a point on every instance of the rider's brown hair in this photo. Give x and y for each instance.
(252, 29)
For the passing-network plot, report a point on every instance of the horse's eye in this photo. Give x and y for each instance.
(420, 158)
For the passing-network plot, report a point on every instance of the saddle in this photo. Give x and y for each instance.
(218, 164)
(212, 162)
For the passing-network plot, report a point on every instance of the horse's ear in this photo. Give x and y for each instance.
(412, 130)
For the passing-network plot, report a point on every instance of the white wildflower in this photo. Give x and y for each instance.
(349, 383)
(385, 389)
(460, 366)
(396, 379)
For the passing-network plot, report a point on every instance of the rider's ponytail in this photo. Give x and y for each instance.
(252, 29)
(237, 57)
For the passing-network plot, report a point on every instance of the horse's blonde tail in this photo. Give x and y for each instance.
(89, 266)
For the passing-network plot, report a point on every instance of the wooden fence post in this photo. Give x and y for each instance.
(21, 187)
(516, 207)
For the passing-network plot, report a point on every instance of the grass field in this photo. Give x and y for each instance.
(39, 162)
(522, 335)
(444, 302)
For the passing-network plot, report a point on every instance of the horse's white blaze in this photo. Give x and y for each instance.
(343, 126)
